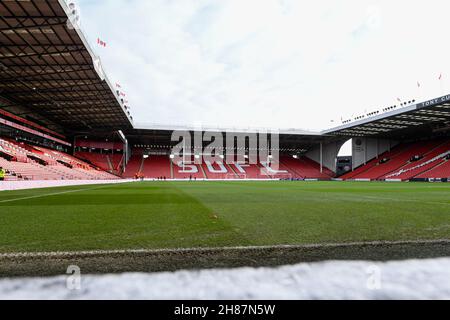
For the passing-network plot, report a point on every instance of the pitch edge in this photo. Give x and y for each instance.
(69, 254)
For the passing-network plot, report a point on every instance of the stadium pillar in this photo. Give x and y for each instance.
(365, 151)
(126, 154)
(378, 148)
(321, 157)
(74, 145)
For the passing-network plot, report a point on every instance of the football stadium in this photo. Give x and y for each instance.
(83, 184)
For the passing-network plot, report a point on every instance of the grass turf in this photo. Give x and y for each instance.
(216, 214)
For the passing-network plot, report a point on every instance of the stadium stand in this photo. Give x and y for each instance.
(100, 160)
(79, 110)
(308, 168)
(421, 159)
(154, 167)
(426, 162)
(191, 171)
(252, 171)
(440, 171)
(134, 166)
(23, 161)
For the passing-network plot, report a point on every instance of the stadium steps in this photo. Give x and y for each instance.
(203, 172)
(134, 166)
(116, 161)
(232, 170)
(110, 165)
(118, 168)
(291, 169)
(141, 167)
(210, 175)
(172, 175)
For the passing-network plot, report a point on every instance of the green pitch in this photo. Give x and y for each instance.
(216, 214)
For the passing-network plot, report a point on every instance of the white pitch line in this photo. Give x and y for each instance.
(52, 194)
(62, 254)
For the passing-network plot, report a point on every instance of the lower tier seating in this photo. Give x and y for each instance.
(27, 162)
(421, 159)
(162, 166)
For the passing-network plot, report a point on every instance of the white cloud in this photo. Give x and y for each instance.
(275, 63)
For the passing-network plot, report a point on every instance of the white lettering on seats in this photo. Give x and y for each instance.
(270, 170)
(222, 168)
(240, 167)
(188, 168)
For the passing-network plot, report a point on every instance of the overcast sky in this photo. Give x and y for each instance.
(269, 63)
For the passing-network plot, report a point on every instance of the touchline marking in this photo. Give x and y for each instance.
(53, 194)
(69, 254)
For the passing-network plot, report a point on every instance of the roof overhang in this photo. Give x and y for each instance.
(171, 127)
(49, 72)
(290, 141)
(425, 116)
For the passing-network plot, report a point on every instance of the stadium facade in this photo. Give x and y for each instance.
(61, 118)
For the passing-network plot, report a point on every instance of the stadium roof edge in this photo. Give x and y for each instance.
(96, 60)
(51, 75)
(371, 119)
(428, 114)
(171, 127)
